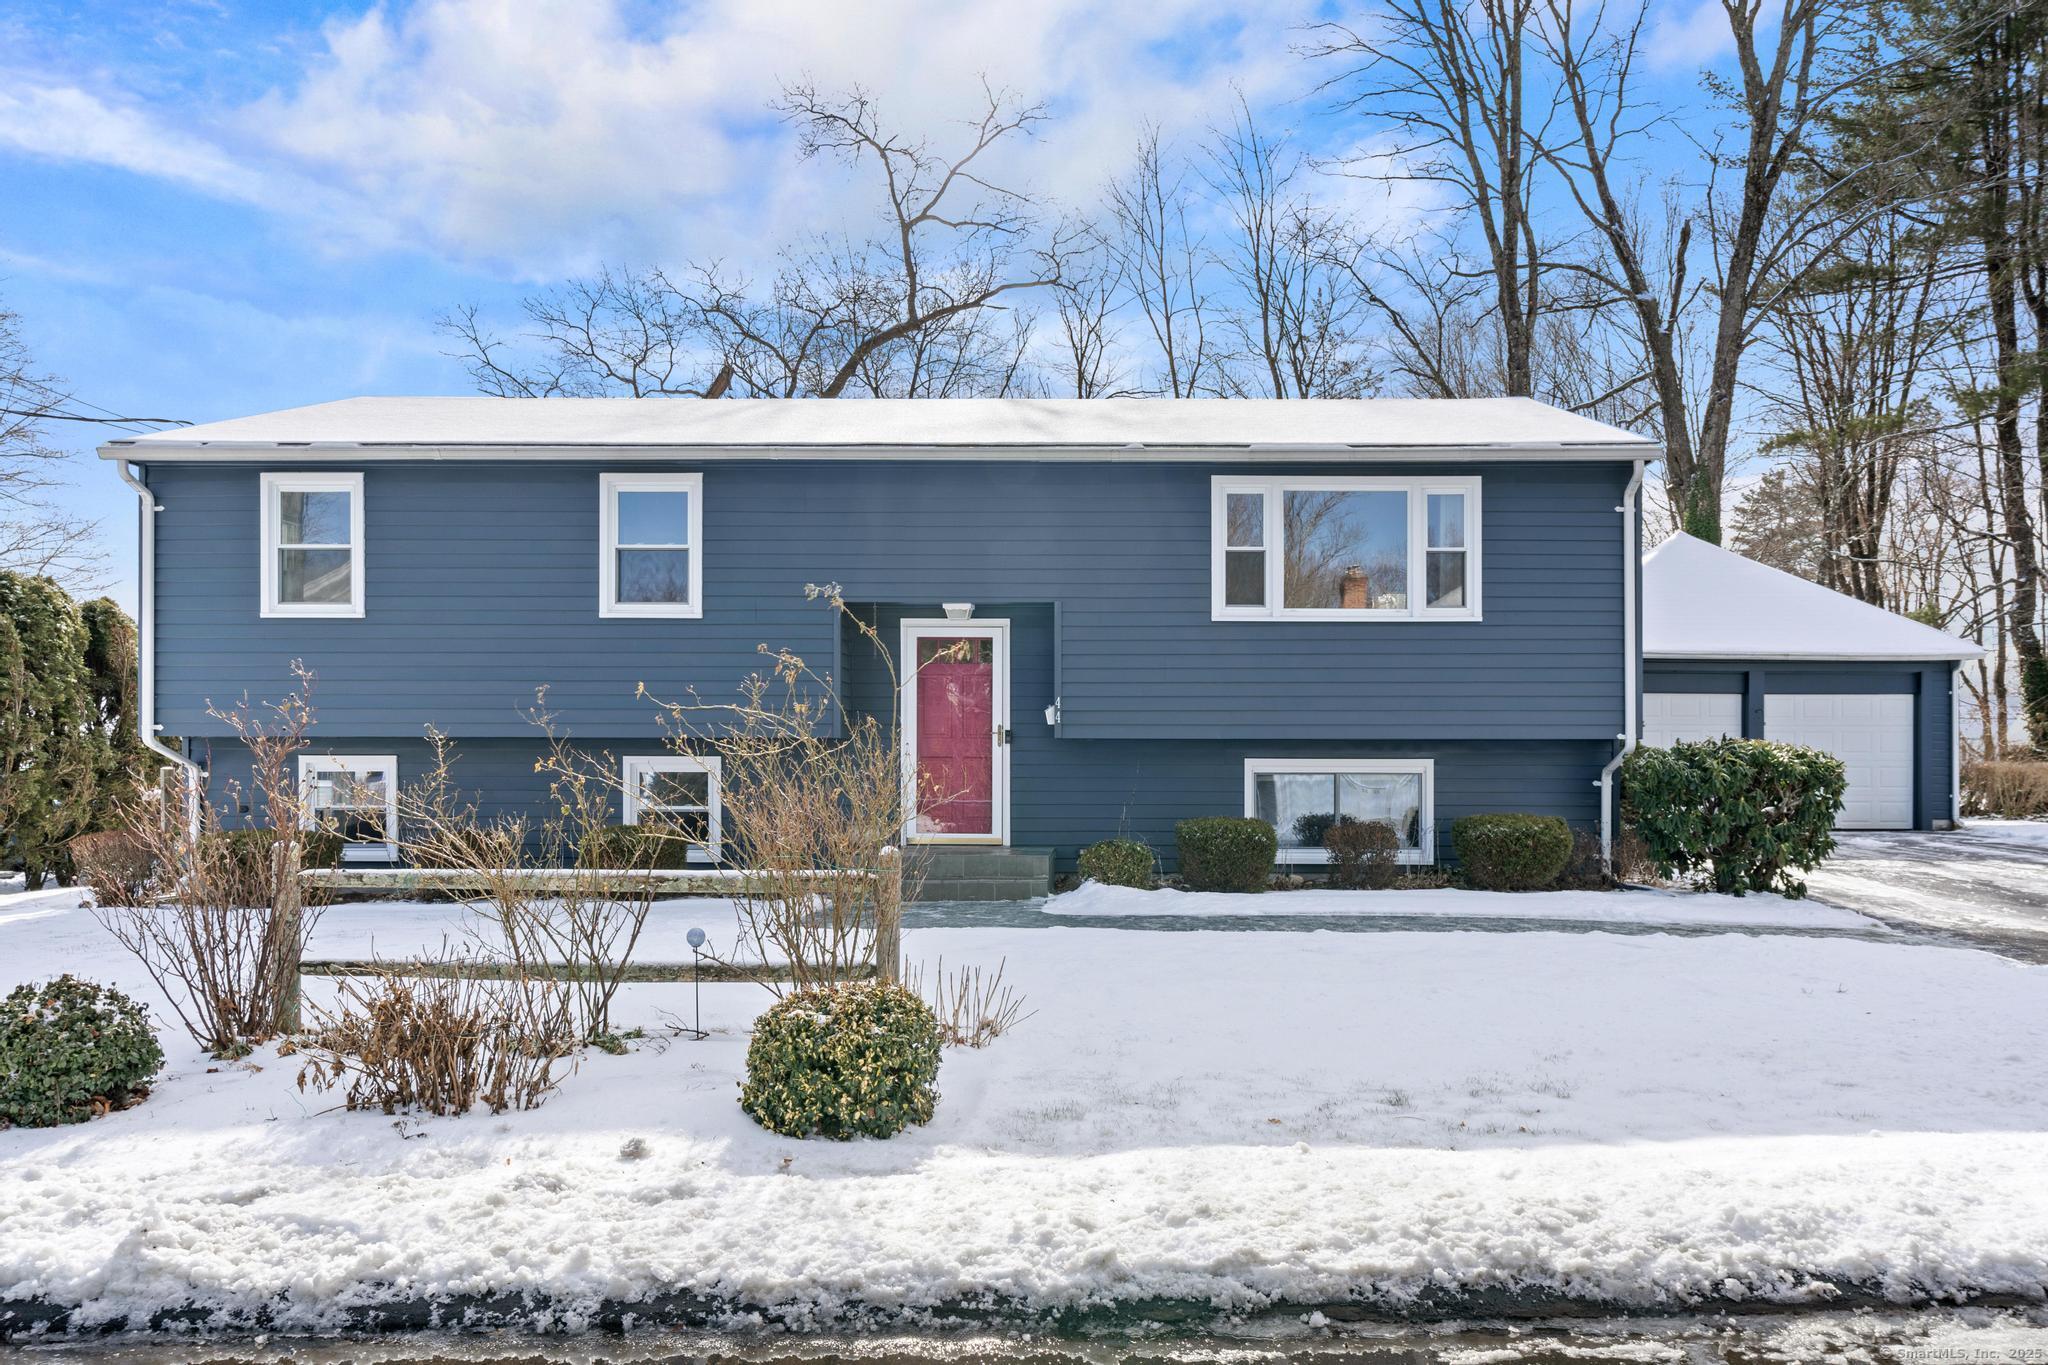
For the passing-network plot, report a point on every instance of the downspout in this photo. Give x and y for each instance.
(145, 629)
(1631, 570)
(1955, 745)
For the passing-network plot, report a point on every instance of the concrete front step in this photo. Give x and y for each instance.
(965, 873)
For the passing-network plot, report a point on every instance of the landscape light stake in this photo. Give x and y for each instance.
(696, 940)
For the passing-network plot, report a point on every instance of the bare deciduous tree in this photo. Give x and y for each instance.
(36, 536)
(1450, 83)
(1779, 99)
(1297, 320)
(918, 309)
(1164, 267)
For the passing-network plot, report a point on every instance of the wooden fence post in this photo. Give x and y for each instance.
(889, 916)
(286, 927)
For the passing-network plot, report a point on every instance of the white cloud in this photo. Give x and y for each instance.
(545, 135)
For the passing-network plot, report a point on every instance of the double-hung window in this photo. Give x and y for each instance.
(356, 796)
(1302, 547)
(312, 544)
(1302, 797)
(651, 551)
(680, 793)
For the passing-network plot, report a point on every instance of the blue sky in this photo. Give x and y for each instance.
(214, 209)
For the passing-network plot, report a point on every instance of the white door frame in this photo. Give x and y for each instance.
(997, 632)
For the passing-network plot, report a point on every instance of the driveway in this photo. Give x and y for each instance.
(1986, 884)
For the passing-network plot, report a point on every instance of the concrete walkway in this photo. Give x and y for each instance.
(1985, 885)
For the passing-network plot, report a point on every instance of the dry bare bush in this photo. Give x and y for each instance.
(2013, 787)
(441, 1037)
(117, 867)
(811, 815)
(974, 1009)
(216, 942)
(579, 928)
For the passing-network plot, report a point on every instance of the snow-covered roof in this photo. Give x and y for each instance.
(398, 427)
(1703, 602)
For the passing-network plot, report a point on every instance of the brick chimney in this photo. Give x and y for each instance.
(1354, 594)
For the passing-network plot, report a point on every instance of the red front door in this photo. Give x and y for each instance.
(956, 723)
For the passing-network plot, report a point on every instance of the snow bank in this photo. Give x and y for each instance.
(1239, 1118)
(1644, 907)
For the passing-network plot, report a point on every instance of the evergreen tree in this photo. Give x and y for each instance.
(53, 751)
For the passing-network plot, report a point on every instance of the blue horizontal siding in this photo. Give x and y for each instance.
(482, 588)
(1065, 793)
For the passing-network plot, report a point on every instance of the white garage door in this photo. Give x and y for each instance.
(1669, 717)
(1873, 736)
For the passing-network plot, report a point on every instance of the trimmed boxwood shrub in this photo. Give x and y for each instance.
(1511, 852)
(639, 848)
(1363, 853)
(70, 1049)
(861, 1060)
(1226, 853)
(1746, 814)
(1118, 862)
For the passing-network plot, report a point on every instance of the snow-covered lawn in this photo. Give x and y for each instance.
(1596, 907)
(1231, 1117)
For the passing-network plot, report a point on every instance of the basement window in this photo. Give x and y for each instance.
(356, 796)
(1302, 797)
(679, 792)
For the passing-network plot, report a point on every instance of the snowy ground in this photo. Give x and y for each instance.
(1674, 908)
(1232, 1118)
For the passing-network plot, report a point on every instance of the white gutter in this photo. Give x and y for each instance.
(145, 628)
(348, 452)
(1631, 566)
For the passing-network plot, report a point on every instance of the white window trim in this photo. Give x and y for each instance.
(312, 765)
(1273, 489)
(636, 765)
(273, 486)
(1255, 768)
(609, 487)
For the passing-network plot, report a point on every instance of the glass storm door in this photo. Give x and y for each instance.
(956, 730)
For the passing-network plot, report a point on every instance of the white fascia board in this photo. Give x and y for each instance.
(238, 452)
(1766, 657)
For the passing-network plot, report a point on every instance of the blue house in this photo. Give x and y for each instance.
(1145, 610)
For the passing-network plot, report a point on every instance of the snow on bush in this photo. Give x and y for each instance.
(862, 1060)
(1740, 814)
(1117, 862)
(70, 1050)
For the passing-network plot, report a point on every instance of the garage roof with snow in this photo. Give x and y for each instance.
(480, 427)
(1703, 602)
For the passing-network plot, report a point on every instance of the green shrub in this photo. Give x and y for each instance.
(1586, 870)
(70, 1050)
(1226, 853)
(859, 1060)
(1746, 813)
(1363, 853)
(1511, 852)
(636, 847)
(1118, 862)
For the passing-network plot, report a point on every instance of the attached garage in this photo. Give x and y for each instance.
(1733, 647)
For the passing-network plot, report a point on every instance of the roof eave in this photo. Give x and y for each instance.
(241, 451)
(1961, 654)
